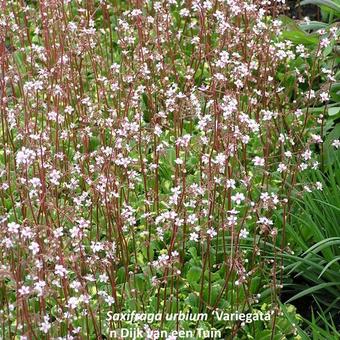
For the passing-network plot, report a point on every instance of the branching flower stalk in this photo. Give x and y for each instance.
(149, 157)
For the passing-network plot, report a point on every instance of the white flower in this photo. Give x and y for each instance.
(315, 165)
(158, 130)
(194, 237)
(220, 159)
(231, 183)
(25, 156)
(52, 116)
(238, 198)
(316, 138)
(13, 228)
(60, 270)
(258, 161)
(54, 177)
(307, 155)
(35, 181)
(75, 285)
(76, 232)
(45, 325)
(264, 221)
(34, 247)
(232, 220)
(27, 233)
(109, 300)
(72, 26)
(324, 42)
(245, 139)
(211, 232)
(4, 186)
(192, 219)
(307, 188)
(298, 113)
(184, 12)
(24, 290)
(96, 247)
(318, 185)
(176, 192)
(58, 232)
(275, 198)
(85, 298)
(39, 287)
(264, 196)
(268, 115)
(244, 233)
(103, 278)
(336, 143)
(7, 242)
(72, 302)
(324, 96)
(282, 167)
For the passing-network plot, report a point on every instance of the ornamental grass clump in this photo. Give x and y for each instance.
(150, 153)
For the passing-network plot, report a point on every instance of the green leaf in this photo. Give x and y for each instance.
(335, 92)
(300, 37)
(312, 25)
(265, 334)
(194, 274)
(255, 284)
(149, 251)
(120, 275)
(193, 252)
(193, 300)
(291, 319)
(295, 34)
(312, 290)
(331, 154)
(140, 282)
(329, 264)
(214, 294)
(326, 3)
(332, 111)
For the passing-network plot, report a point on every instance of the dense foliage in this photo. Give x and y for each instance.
(163, 157)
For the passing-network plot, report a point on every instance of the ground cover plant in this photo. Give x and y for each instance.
(167, 157)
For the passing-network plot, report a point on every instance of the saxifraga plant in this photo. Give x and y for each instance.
(136, 138)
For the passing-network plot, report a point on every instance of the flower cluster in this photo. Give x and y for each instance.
(134, 133)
